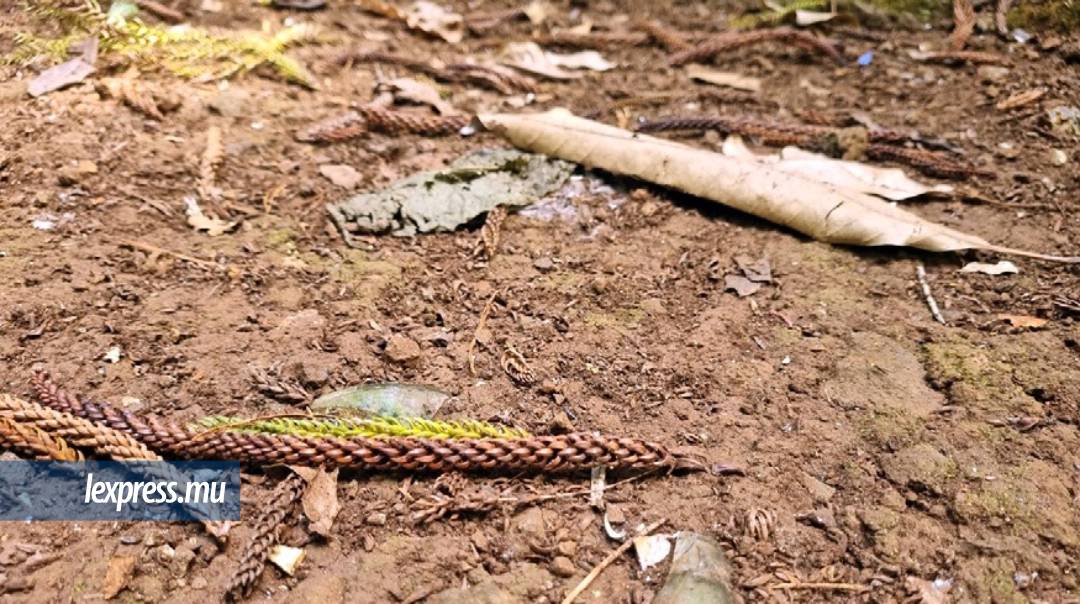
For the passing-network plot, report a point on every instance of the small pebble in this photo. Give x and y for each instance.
(376, 519)
(562, 566)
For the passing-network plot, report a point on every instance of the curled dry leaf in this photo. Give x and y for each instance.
(320, 501)
(529, 57)
(1023, 321)
(431, 18)
(821, 210)
(890, 183)
(201, 222)
(420, 93)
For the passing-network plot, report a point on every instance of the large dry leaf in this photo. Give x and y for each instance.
(320, 501)
(890, 183)
(821, 210)
(433, 19)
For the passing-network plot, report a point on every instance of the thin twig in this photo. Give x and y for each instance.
(855, 587)
(161, 11)
(154, 250)
(920, 274)
(479, 325)
(606, 562)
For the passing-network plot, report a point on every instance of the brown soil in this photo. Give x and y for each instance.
(879, 440)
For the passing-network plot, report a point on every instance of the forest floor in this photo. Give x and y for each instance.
(881, 448)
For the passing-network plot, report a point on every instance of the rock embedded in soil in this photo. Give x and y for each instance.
(562, 566)
(402, 350)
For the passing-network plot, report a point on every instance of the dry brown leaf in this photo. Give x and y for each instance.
(730, 79)
(117, 575)
(320, 502)
(820, 210)
(421, 93)
(431, 18)
(201, 222)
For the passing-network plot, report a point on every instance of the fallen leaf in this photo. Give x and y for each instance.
(421, 93)
(68, 72)
(288, 559)
(758, 271)
(1023, 321)
(529, 57)
(201, 222)
(320, 501)
(1003, 267)
(341, 175)
(445, 199)
(891, 183)
(396, 400)
(804, 18)
(818, 209)
(431, 18)
(117, 575)
(730, 79)
(740, 285)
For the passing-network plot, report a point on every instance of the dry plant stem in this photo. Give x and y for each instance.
(505, 82)
(964, 23)
(597, 40)
(853, 587)
(479, 325)
(560, 453)
(154, 251)
(32, 441)
(671, 40)
(264, 536)
(920, 274)
(78, 431)
(928, 162)
(395, 122)
(606, 562)
(729, 41)
(965, 56)
(1001, 17)
(161, 11)
(211, 159)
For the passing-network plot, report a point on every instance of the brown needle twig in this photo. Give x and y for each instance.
(479, 325)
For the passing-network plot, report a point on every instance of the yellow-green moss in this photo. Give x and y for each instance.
(1062, 15)
(888, 428)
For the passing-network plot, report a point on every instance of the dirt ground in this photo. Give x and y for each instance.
(880, 447)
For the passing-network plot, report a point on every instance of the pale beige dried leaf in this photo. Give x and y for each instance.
(379, 7)
(288, 559)
(821, 210)
(320, 501)
(201, 222)
(890, 183)
(431, 18)
(730, 79)
(529, 57)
